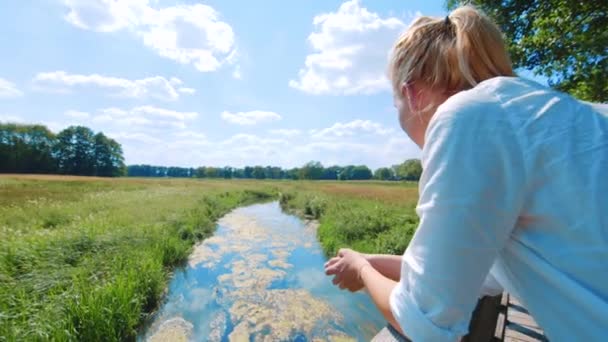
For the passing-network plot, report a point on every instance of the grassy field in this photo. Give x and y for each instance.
(88, 258)
(371, 217)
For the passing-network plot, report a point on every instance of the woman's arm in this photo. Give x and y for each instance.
(353, 271)
(388, 265)
(379, 288)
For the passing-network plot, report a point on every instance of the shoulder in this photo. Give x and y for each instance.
(486, 104)
(474, 120)
(468, 110)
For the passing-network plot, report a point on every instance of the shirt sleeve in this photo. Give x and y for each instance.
(471, 192)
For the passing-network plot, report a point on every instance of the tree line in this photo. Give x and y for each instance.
(409, 170)
(76, 150)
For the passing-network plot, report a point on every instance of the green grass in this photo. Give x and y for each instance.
(88, 259)
(85, 258)
(368, 217)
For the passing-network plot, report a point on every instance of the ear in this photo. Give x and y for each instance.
(411, 94)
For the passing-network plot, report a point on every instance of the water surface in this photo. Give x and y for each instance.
(260, 278)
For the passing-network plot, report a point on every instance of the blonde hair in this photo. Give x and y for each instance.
(449, 54)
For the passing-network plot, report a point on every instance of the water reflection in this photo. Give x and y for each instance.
(260, 278)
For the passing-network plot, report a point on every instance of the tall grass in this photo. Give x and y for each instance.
(368, 217)
(88, 259)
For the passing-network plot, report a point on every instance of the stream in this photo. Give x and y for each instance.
(260, 278)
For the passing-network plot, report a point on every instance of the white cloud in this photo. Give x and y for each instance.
(350, 52)
(157, 87)
(251, 117)
(104, 15)
(113, 111)
(77, 114)
(136, 137)
(373, 151)
(191, 134)
(185, 90)
(285, 132)
(184, 141)
(188, 34)
(161, 136)
(354, 128)
(193, 148)
(8, 89)
(241, 139)
(164, 113)
(144, 116)
(370, 143)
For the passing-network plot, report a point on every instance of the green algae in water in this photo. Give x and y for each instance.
(260, 278)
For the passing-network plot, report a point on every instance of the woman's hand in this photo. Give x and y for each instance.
(346, 267)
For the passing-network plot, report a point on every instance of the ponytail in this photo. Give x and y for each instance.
(449, 54)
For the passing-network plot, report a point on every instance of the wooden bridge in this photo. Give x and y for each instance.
(499, 318)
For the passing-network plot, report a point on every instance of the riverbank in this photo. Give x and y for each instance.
(87, 259)
(368, 218)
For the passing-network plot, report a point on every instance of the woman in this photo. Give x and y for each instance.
(514, 188)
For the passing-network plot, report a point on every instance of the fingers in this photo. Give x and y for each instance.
(343, 251)
(333, 269)
(337, 279)
(331, 261)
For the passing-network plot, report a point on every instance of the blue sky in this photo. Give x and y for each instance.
(215, 83)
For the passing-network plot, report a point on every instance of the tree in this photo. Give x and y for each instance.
(258, 172)
(212, 172)
(410, 170)
(75, 151)
(178, 172)
(292, 173)
(346, 172)
(563, 40)
(248, 172)
(109, 161)
(361, 172)
(331, 173)
(201, 172)
(383, 173)
(26, 148)
(238, 173)
(312, 170)
(227, 172)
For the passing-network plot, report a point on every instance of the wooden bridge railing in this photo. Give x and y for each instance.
(498, 318)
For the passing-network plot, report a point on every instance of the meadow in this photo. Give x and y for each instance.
(84, 258)
(370, 217)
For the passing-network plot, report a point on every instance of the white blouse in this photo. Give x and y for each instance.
(515, 185)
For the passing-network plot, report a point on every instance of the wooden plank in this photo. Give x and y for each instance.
(483, 321)
(520, 325)
(514, 335)
(500, 318)
(504, 301)
(389, 334)
(499, 333)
